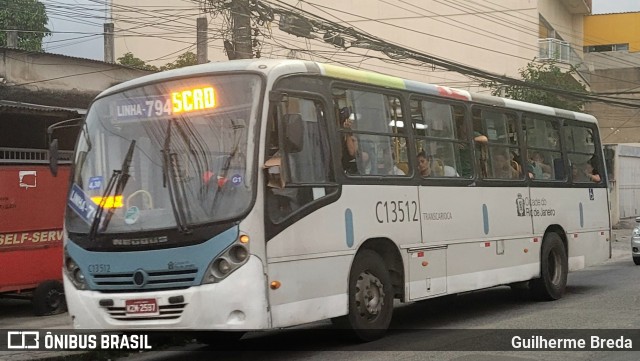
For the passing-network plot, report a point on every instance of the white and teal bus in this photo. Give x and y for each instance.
(263, 194)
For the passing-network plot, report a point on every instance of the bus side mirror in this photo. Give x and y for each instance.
(53, 157)
(294, 140)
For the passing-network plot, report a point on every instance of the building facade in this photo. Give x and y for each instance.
(612, 52)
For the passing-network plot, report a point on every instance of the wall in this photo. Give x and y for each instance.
(568, 26)
(616, 72)
(43, 71)
(607, 29)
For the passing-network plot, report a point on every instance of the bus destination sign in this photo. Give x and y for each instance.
(184, 101)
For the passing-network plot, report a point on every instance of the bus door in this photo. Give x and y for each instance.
(300, 227)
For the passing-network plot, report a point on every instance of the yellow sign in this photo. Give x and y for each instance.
(193, 99)
(109, 201)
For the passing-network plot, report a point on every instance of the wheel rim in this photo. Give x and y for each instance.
(54, 299)
(369, 296)
(554, 267)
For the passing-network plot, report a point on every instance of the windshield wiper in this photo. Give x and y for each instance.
(117, 182)
(171, 178)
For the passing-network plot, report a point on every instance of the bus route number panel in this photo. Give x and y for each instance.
(159, 106)
(142, 307)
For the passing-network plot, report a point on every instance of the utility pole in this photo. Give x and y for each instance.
(241, 32)
(109, 45)
(202, 41)
(109, 51)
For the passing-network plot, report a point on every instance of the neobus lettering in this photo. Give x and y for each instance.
(396, 211)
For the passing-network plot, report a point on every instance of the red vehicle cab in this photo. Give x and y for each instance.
(32, 203)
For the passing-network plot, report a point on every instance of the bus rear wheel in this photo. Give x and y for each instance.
(370, 298)
(48, 299)
(553, 270)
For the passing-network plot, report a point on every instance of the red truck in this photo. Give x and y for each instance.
(32, 203)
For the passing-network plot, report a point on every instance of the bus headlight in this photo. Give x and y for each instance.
(238, 253)
(222, 267)
(74, 273)
(228, 261)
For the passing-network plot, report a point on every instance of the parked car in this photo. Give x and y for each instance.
(635, 242)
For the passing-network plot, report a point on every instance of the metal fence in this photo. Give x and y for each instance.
(31, 156)
(558, 50)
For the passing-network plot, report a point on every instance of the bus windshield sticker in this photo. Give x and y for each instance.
(95, 183)
(82, 204)
(236, 179)
(131, 215)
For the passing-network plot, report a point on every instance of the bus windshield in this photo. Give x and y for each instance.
(167, 155)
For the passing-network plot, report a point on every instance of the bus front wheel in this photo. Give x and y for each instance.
(48, 299)
(370, 298)
(553, 270)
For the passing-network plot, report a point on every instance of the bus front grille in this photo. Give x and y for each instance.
(166, 312)
(145, 281)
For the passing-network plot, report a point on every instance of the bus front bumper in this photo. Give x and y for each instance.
(237, 303)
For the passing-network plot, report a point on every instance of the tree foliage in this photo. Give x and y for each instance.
(131, 60)
(29, 17)
(186, 59)
(546, 74)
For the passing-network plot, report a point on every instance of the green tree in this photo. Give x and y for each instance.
(183, 60)
(186, 59)
(547, 75)
(131, 60)
(29, 17)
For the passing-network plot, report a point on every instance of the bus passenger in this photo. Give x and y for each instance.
(503, 168)
(538, 167)
(352, 156)
(393, 167)
(591, 173)
(424, 164)
(576, 174)
(466, 155)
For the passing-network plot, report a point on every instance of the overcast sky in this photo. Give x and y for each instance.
(76, 35)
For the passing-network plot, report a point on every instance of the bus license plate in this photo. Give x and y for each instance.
(142, 307)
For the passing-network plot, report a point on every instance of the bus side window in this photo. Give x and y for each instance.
(307, 165)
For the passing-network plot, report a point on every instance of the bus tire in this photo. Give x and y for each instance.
(553, 270)
(636, 260)
(370, 298)
(48, 299)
